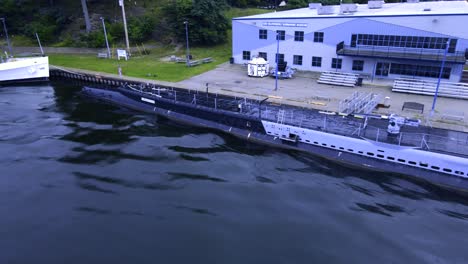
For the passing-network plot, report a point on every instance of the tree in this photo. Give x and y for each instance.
(292, 4)
(207, 24)
(86, 16)
(140, 28)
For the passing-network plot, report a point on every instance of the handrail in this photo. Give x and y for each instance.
(401, 52)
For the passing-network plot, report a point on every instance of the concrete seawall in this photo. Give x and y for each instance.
(301, 91)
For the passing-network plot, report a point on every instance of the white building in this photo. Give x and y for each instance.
(377, 40)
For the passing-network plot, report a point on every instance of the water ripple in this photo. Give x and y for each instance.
(107, 156)
(453, 214)
(124, 183)
(181, 176)
(93, 210)
(359, 189)
(192, 158)
(196, 210)
(94, 188)
(198, 150)
(264, 179)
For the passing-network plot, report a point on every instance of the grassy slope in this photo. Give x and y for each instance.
(151, 66)
(148, 66)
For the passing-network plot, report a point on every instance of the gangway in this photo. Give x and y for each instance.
(359, 103)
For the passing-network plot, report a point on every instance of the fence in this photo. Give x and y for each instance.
(400, 53)
(457, 143)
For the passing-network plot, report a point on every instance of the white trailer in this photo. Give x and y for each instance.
(258, 67)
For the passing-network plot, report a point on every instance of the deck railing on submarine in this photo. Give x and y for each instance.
(305, 118)
(456, 144)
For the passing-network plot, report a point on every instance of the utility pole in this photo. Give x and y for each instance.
(277, 60)
(121, 3)
(6, 35)
(39, 42)
(86, 16)
(105, 36)
(440, 76)
(186, 37)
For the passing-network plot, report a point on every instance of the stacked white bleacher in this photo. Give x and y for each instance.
(424, 87)
(338, 78)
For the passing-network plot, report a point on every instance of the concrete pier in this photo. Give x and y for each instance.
(303, 90)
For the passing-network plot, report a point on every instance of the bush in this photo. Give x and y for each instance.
(67, 41)
(45, 31)
(140, 28)
(116, 30)
(47, 24)
(95, 39)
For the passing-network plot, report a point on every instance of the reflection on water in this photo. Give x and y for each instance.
(85, 179)
(115, 184)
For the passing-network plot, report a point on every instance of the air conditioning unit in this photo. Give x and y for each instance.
(325, 10)
(375, 4)
(348, 8)
(314, 5)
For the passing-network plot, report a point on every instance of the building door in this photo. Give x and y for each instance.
(382, 68)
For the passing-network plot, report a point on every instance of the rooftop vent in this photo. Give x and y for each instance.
(375, 4)
(412, 1)
(426, 9)
(325, 10)
(348, 8)
(314, 5)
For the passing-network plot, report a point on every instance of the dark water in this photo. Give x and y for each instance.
(87, 183)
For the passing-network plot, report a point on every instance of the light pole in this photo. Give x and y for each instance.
(277, 60)
(105, 36)
(440, 77)
(121, 3)
(6, 35)
(40, 45)
(186, 38)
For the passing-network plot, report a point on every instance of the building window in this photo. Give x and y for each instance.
(318, 36)
(262, 34)
(403, 41)
(358, 65)
(336, 63)
(419, 70)
(298, 35)
(280, 57)
(297, 59)
(317, 61)
(263, 55)
(280, 34)
(246, 55)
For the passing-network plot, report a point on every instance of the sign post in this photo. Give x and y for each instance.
(122, 53)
